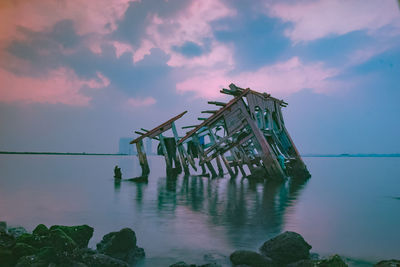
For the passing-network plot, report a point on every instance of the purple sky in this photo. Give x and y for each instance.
(78, 75)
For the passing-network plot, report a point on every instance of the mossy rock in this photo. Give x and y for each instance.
(41, 230)
(60, 241)
(22, 249)
(31, 261)
(249, 258)
(121, 241)
(3, 227)
(6, 240)
(334, 261)
(33, 240)
(81, 234)
(6, 257)
(17, 231)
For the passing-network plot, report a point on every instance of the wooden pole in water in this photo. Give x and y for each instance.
(180, 149)
(165, 152)
(142, 158)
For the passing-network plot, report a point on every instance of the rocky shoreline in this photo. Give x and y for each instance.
(68, 246)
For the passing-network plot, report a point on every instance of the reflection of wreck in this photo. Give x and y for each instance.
(247, 134)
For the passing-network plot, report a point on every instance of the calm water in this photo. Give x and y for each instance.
(350, 206)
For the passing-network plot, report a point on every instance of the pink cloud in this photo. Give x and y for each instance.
(140, 102)
(280, 79)
(317, 19)
(59, 86)
(189, 25)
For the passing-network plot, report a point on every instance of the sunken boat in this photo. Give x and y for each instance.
(246, 135)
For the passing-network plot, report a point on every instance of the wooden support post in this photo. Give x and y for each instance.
(165, 152)
(142, 158)
(238, 161)
(219, 165)
(227, 166)
(201, 156)
(180, 149)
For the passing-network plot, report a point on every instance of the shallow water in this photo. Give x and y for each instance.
(350, 206)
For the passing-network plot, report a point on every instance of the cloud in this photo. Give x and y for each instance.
(281, 79)
(318, 19)
(60, 86)
(141, 102)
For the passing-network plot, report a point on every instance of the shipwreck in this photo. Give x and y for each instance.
(246, 135)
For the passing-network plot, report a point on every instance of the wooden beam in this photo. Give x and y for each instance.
(222, 104)
(209, 111)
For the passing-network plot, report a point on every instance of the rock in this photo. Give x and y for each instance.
(32, 261)
(334, 261)
(286, 248)
(101, 260)
(22, 249)
(81, 234)
(33, 240)
(388, 263)
(3, 227)
(6, 257)
(182, 264)
(121, 245)
(249, 258)
(6, 240)
(41, 230)
(17, 231)
(61, 242)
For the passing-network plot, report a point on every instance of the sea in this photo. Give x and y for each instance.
(350, 206)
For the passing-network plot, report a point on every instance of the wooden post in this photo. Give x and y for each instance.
(142, 158)
(165, 152)
(219, 165)
(201, 155)
(180, 149)
(227, 166)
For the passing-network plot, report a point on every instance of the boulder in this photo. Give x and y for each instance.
(60, 241)
(182, 264)
(22, 249)
(6, 240)
(17, 231)
(101, 260)
(286, 248)
(41, 230)
(121, 245)
(6, 257)
(3, 227)
(249, 258)
(334, 261)
(81, 234)
(388, 263)
(33, 240)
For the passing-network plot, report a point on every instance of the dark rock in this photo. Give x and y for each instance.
(121, 245)
(22, 249)
(6, 240)
(61, 242)
(101, 260)
(3, 227)
(41, 230)
(286, 248)
(334, 261)
(33, 240)
(212, 264)
(32, 261)
(388, 263)
(81, 234)
(182, 264)
(250, 258)
(17, 231)
(6, 257)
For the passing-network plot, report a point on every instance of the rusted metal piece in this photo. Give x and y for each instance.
(247, 131)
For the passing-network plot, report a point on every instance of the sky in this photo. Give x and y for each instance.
(75, 76)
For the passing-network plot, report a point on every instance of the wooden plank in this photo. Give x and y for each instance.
(217, 103)
(215, 116)
(142, 158)
(159, 129)
(165, 152)
(180, 149)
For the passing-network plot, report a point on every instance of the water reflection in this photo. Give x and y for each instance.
(236, 204)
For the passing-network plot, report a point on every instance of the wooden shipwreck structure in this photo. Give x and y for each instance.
(246, 135)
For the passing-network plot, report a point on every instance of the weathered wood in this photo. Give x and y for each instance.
(165, 152)
(227, 166)
(159, 129)
(217, 103)
(209, 111)
(180, 150)
(142, 158)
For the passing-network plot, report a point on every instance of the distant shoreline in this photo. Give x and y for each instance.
(374, 155)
